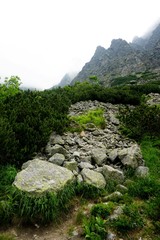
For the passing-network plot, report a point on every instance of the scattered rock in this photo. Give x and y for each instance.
(71, 165)
(111, 173)
(121, 188)
(131, 157)
(56, 139)
(99, 155)
(57, 158)
(111, 236)
(85, 165)
(51, 150)
(94, 178)
(115, 196)
(142, 171)
(104, 150)
(116, 213)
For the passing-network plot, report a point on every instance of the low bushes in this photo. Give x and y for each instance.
(141, 121)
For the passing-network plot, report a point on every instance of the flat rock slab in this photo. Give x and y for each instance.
(41, 176)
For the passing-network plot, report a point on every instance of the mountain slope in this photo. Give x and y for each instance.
(122, 59)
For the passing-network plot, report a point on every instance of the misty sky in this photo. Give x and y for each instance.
(41, 40)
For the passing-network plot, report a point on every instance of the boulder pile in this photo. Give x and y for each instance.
(94, 156)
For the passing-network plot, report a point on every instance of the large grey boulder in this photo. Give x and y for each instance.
(94, 178)
(40, 176)
(111, 173)
(131, 157)
(99, 155)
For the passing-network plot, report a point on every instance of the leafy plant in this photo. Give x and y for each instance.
(95, 228)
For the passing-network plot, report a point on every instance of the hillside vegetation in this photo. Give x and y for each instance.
(29, 117)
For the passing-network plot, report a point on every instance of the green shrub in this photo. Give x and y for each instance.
(102, 210)
(129, 220)
(141, 121)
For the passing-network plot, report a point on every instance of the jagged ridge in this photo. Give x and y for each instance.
(123, 58)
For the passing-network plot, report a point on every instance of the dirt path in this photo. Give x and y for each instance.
(66, 230)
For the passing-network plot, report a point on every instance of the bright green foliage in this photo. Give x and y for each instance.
(144, 188)
(10, 87)
(95, 228)
(102, 210)
(151, 153)
(93, 116)
(131, 219)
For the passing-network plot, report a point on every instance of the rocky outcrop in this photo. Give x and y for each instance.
(94, 156)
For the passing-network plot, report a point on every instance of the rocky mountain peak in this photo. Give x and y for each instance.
(120, 46)
(99, 51)
(123, 58)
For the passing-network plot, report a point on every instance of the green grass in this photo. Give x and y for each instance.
(93, 116)
(131, 219)
(151, 154)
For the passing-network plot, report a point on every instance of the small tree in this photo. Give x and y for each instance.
(10, 87)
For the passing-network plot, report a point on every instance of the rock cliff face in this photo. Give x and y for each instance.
(122, 59)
